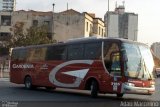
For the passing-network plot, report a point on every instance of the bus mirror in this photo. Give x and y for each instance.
(125, 58)
(157, 72)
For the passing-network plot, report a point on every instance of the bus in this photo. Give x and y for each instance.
(100, 65)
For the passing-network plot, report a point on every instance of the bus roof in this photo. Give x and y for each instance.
(83, 40)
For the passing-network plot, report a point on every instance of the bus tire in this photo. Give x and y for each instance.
(50, 88)
(120, 95)
(28, 82)
(94, 88)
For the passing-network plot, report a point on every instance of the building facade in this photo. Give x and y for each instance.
(71, 24)
(121, 24)
(61, 26)
(7, 5)
(33, 18)
(9, 19)
(5, 26)
(156, 49)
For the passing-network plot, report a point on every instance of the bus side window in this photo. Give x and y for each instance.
(15, 55)
(92, 51)
(75, 52)
(56, 53)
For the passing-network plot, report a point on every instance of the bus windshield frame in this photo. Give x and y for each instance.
(138, 61)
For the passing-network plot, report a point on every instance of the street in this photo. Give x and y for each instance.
(17, 96)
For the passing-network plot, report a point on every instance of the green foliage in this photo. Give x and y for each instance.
(34, 35)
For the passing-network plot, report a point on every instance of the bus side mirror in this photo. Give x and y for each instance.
(157, 72)
(125, 58)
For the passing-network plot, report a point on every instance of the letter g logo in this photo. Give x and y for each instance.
(52, 74)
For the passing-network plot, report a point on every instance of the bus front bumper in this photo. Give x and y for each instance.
(138, 90)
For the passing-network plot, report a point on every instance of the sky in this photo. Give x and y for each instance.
(148, 12)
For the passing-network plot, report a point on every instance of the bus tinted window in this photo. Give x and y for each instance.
(75, 52)
(19, 54)
(15, 54)
(37, 54)
(56, 53)
(22, 54)
(92, 51)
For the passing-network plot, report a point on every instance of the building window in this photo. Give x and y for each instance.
(46, 23)
(5, 36)
(102, 33)
(6, 20)
(99, 31)
(91, 28)
(87, 26)
(35, 23)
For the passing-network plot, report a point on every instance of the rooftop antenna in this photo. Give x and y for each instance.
(53, 7)
(123, 3)
(116, 4)
(67, 5)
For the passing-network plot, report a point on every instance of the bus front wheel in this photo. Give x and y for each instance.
(94, 89)
(120, 95)
(28, 82)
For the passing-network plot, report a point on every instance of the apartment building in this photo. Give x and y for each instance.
(5, 26)
(71, 24)
(62, 26)
(7, 5)
(121, 24)
(33, 18)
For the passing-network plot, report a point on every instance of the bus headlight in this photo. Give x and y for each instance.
(129, 84)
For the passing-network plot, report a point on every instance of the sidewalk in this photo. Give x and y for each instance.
(4, 79)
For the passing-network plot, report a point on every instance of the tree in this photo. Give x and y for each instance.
(34, 35)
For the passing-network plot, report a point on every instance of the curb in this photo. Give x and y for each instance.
(4, 79)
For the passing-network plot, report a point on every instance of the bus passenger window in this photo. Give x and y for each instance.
(75, 52)
(92, 51)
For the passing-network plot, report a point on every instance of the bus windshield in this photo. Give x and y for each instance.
(138, 61)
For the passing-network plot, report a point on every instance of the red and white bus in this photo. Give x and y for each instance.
(106, 65)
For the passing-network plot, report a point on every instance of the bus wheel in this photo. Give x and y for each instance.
(119, 95)
(50, 88)
(94, 89)
(28, 82)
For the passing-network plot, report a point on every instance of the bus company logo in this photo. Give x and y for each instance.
(44, 67)
(79, 74)
(23, 66)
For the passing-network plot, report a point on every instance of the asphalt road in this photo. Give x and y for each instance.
(13, 95)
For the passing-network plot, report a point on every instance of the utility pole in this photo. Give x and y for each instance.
(108, 19)
(53, 22)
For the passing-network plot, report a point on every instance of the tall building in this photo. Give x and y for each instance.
(7, 5)
(156, 49)
(121, 24)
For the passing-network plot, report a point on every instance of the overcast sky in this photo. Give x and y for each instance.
(148, 12)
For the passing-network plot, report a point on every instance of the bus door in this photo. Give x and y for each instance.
(115, 73)
(113, 67)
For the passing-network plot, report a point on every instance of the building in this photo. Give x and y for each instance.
(61, 26)
(71, 24)
(33, 18)
(156, 49)
(30, 18)
(121, 24)
(7, 5)
(5, 26)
